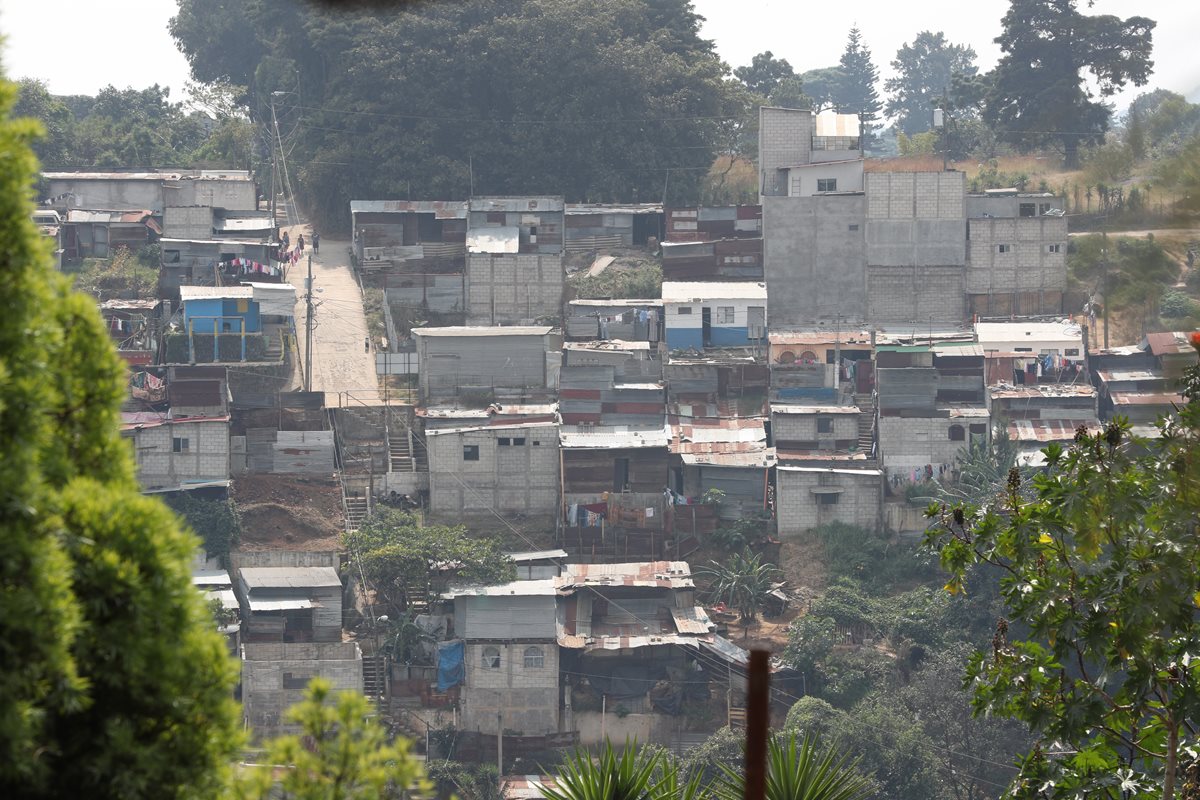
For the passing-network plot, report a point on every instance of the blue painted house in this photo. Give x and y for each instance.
(714, 314)
(220, 309)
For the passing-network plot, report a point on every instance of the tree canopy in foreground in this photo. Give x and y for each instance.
(1100, 580)
(113, 679)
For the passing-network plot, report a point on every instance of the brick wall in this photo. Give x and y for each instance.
(513, 288)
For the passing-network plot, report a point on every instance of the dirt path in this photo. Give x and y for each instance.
(342, 367)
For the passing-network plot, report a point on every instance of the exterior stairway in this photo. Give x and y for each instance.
(356, 511)
(375, 678)
(866, 423)
(400, 451)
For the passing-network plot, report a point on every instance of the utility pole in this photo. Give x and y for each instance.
(308, 328)
(274, 136)
(1104, 267)
(500, 745)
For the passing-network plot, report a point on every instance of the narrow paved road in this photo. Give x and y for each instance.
(341, 366)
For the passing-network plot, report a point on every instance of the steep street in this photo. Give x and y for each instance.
(341, 367)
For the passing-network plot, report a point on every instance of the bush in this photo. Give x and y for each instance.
(217, 522)
(1176, 304)
(620, 283)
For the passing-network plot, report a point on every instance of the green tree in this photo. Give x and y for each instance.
(341, 753)
(141, 127)
(856, 93)
(764, 73)
(403, 559)
(1182, 175)
(594, 100)
(925, 71)
(216, 522)
(1100, 582)
(1038, 91)
(823, 86)
(55, 150)
(799, 769)
(113, 682)
(743, 582)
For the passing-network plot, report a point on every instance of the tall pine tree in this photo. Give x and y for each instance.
(857, 93)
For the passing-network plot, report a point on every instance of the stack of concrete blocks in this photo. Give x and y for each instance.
(275, 675)
(800, 490)
(915, 247)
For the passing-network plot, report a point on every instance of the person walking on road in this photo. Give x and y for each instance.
(367, 344)
(287, 243)
(300, 243)
(316, 242)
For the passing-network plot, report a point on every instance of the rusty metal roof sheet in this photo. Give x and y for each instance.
(441, 209)
(659, 574)
(613, 436)
(761, 458)
(849, 336)
(602, 208)
(469, 331)
(1046, 430)
(1009, 391)
(691, 620)
(1147, 398)
(1168, 343)
(786, 408)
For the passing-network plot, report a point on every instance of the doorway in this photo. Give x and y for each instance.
(706, 326)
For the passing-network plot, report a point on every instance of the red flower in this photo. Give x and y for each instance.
(1195, 340)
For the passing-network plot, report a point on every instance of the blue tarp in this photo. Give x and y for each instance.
(450, 664)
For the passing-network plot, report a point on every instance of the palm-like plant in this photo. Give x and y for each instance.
(800, 770)
(742, 583)
(629, 775)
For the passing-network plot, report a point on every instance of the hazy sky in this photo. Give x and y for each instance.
(80, 46)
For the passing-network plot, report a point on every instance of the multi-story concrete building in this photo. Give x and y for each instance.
(1017, 254)
(514, 259)
(232, 189)
(457, 362)
(275, 675)
(812, 496)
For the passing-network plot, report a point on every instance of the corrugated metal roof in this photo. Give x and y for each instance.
(207, 174)
(619, 303)
(1111, 376)
(243, 224)
(128, 216)
(536, 555)
(1008, 391)
(612, 437)
(211, 577)
(129, 305)
(962, 412)
(517, 204)
(1169, 343)
(285, 604)
(503, 410)
(494, 240)
(783, 408)
(289, 577)
(687, 291)
(1147, 398)
(187, 293)
(442, 209)
(761, 458)
(1046, 430)
(691, 620)
(992, 332)
(491, 428)
(849, 336)
(534, 588)
(469, 331)
(660, 574)
(607, 346)
(858, 472)
(602, 208)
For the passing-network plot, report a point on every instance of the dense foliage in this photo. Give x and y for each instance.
(925, 71)
(407, 562)
(216, 522)
(113, 681)
(1099, 580)
(341, 753)
(1037, 90)
(597, 101)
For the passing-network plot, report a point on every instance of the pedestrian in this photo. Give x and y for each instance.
(316, 242)
(287, 244)
(300, 243)
(366, 344)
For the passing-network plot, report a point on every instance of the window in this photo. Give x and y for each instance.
(1023, 349)
(171, 256)
(725, 315)
(491, 657)
(1043, 208)
(826, 184)
(180, 444)
(505, 441)
(978, 428)
(828, 499)
(1072, 351)
(1027, 209)
(470, 452)
(226, 327)
(519, 441)
(854, 226)
(957, 434)
(536, 443)
(684, 311)
(824, 424)
(1003, 248)
(1054, 248)
(534, 658)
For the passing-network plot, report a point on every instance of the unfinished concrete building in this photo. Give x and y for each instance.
(477, 470)
(813, 216)
(275, 675)
(481, 364)
(232, 189)
(514, 259)
(915, 246)
(812, 496)
(1017, 253)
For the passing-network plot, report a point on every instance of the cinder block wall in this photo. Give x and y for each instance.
(907, 442)
(513, 288)
(784, 140)
(275, 675)
(799, 510)
(517, 478)
(803, 427)
(526, 697)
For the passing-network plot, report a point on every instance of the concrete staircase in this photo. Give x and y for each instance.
(866, 423)
(274, 341)
(375, 678)
(400, 451)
